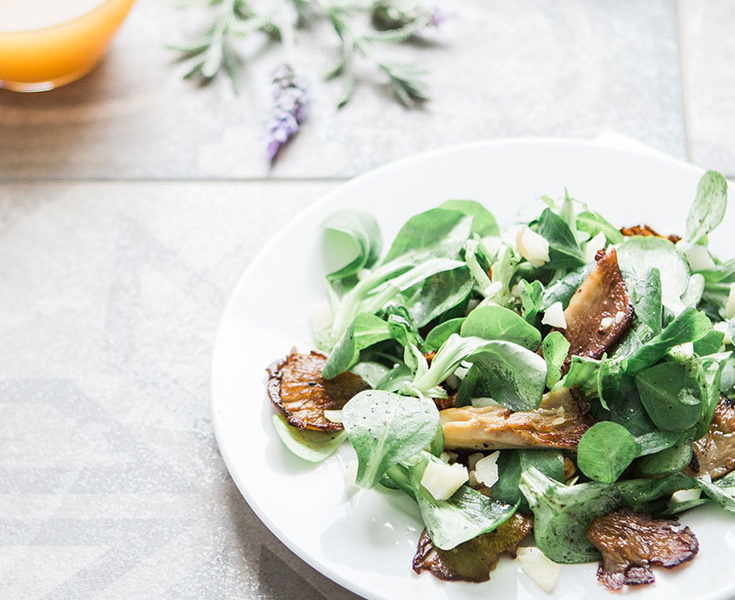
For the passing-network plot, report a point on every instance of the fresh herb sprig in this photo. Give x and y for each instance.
(392, 22)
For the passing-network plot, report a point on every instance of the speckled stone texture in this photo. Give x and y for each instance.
(111, 484)
(531, 67)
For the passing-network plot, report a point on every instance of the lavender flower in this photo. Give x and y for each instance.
(289, 109)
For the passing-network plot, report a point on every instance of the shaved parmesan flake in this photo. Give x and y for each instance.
(595, 244)
(486, 469)
(442, 480)
(543, 571)
(532, 246)
(335, 416)
(554, 316)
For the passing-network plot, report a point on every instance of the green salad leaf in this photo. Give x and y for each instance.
(555, 350)
(564, 251)
(351, 241)
(498, 323)
(562, 514)
(386, 429)
(312, 446)
(709, 206)
(605, 451)
(483, 221)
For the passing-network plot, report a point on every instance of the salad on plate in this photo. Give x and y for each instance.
(563, 379)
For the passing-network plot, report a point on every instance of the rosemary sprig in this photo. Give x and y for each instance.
(406, 80)
(214, 49)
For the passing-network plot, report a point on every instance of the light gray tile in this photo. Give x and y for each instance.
(111, 483)
(531, 67)
(707, 39)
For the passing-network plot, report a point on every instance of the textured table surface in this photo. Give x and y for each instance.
(130, 203)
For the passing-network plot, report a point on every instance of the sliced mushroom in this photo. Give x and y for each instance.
(599, 312)
(714, 454)
(647, 231)
(630, 543)
(558, 422)
(473, 560)
(296, 387)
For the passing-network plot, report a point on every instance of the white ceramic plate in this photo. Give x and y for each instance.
(365, 540)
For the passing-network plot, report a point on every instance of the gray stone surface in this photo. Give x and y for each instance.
(707, 38)
(111, 484)
(532, 67)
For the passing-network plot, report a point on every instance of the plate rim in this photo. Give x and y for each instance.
(635, 148)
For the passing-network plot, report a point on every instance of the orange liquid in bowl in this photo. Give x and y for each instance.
(47, 43)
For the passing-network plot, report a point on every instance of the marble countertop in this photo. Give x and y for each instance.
(131, 202)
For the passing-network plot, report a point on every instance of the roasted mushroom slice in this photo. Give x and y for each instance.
(473, 560)
(599, 312)
(647, 231)
(714, 454)
(630, 543)
(557, 423)
(296, 387)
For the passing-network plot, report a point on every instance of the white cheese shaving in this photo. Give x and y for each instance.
(532, 246)
(442, 480)
(554, 316)
(473, 458)
(486, 469)
(606, 323)
(681, 496)
(335, 416)
(619, 317)
(542, 571)
(595, 244)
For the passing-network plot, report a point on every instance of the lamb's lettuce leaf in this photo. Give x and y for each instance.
(351, 241)
(498, 323)
(483, 221)
(709, 206)
(386, 429)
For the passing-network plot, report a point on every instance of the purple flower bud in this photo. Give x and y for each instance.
(289, 109)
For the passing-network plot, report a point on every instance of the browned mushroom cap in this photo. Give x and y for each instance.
(558, 422)
(714, 453)
(630, 543)
(600, 311)
(473, 560)
(296, 387)
(647, 231)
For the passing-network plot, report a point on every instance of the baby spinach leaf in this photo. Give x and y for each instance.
(437, 294)
(351, 241)
(642, 254)
(605, 451)
(639, 494)
(562, 514)
(592, 223)
(555, 350)
(672, 394)
(439, 232)
(483, 221)
(655, 441)
(386, 429)
(722, 491)
(690, 326)
(564, 251)
(709, 344)
(366, 330)
(498, 323)
(371, 371)
(531, 298)
(669, 460)
(439, 334)
(709, 206)
(511, 463)
(313, 446)
(509, 374)
(465, 515)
